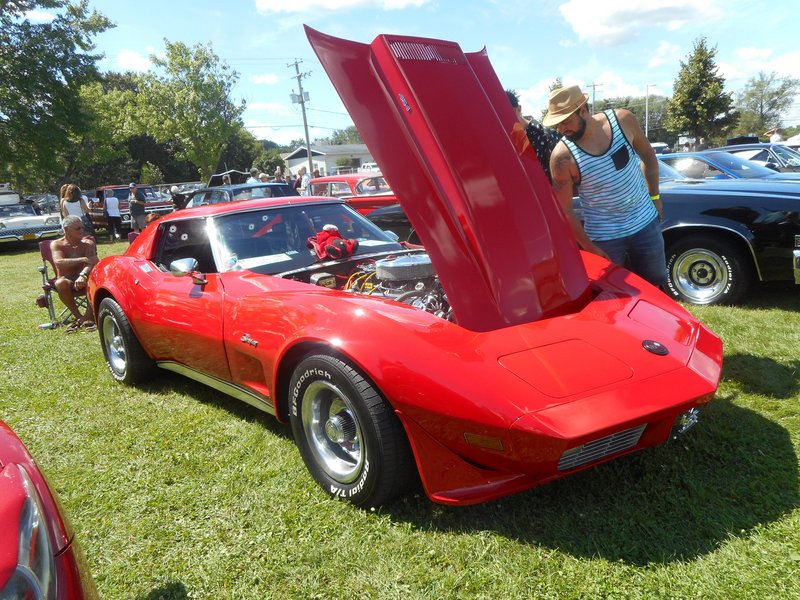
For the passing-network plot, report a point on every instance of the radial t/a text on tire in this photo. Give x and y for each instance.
(348, 435)
(702, 270)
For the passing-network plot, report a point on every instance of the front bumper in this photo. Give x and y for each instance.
(28, 234)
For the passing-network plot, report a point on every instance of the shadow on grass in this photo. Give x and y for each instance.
(732, 472)
(764, 376)
(168, 382)
(174, 590)
(772, 294)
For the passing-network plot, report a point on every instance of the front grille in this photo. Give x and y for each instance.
(597, 449)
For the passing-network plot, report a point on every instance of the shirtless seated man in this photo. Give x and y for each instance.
(74, 256)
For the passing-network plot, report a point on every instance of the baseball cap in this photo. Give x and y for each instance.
(132, 184)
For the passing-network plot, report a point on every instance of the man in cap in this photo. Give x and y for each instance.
(136, 204)
(620, 202)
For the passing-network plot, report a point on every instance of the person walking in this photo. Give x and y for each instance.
(113, 216)
(136, 204)
(619, 196)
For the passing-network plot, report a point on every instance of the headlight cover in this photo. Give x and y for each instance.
(52, 221)
(35, 572)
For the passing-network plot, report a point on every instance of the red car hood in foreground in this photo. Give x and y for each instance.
(438, 122)
(38, 554)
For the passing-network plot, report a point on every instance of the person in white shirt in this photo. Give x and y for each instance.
(113, 216)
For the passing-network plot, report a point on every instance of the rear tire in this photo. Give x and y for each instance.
(125, 357)
(705, 271)
(348, 435)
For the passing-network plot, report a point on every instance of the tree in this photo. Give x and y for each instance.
(349, 135)
(699, 105)
(42, 66)
(653, 121)
(763, 101)
(240, 152)
(268, 161)
(191, 103)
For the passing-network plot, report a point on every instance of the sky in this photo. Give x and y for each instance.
(610, 48)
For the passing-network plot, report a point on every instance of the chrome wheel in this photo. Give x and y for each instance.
(115, 346)
(708, 269)
(701, 275)
(332, 430)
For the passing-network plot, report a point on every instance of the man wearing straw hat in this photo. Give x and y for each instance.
(620, 202)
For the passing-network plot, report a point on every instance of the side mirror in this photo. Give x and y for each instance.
(392, 234)
(187, 266)
(773, 166)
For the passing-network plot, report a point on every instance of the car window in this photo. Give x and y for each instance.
(217, 196)
(754, 154)
(186, 238)
(690, 167)
(373, 185)
(319, 189)
(740, 166)
(276, 240)
(340, 188)
(787, 155)
(17, 210)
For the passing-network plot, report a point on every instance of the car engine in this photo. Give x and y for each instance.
(408, 278)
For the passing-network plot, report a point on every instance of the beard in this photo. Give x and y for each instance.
(574, 136)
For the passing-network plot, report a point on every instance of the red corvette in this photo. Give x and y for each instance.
(39, 557)
(497, 358)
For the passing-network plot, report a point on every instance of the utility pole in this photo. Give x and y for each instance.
(593, 86)
(647, 109)
(301, 99)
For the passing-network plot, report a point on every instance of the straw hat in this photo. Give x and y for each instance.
(563, 102)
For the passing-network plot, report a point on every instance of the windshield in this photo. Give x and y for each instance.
(17, 210)
(275, 240)
(789, 156)
(667, 172)
(714, 162)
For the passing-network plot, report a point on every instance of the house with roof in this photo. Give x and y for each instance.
(329, 159)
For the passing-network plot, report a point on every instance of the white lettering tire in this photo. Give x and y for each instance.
(349, 437)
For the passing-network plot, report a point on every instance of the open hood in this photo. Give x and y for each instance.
(440, 125)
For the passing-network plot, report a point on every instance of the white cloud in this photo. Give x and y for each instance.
(279, 135)
(129, 60)
(750, 61)
(666, 53)
(617, 21)
(39, 16)
(268, 79)
(305, 6)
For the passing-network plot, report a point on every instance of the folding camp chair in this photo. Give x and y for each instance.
(46, 299)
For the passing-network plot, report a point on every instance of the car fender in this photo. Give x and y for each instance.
(673, 230)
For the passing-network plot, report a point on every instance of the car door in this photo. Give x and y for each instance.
(182, 319)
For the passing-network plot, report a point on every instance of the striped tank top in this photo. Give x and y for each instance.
(613, 192)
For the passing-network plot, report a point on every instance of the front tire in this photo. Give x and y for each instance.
(125, 357)
(349, 437)
(704, 271)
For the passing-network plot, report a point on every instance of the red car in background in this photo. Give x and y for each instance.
(39, 556)
(364, 192)
(97, 203)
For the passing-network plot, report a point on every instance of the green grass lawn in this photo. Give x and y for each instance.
(177, 491)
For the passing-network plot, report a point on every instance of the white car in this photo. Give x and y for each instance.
(20, 221)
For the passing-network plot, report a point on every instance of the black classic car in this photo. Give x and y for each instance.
(721, 235)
